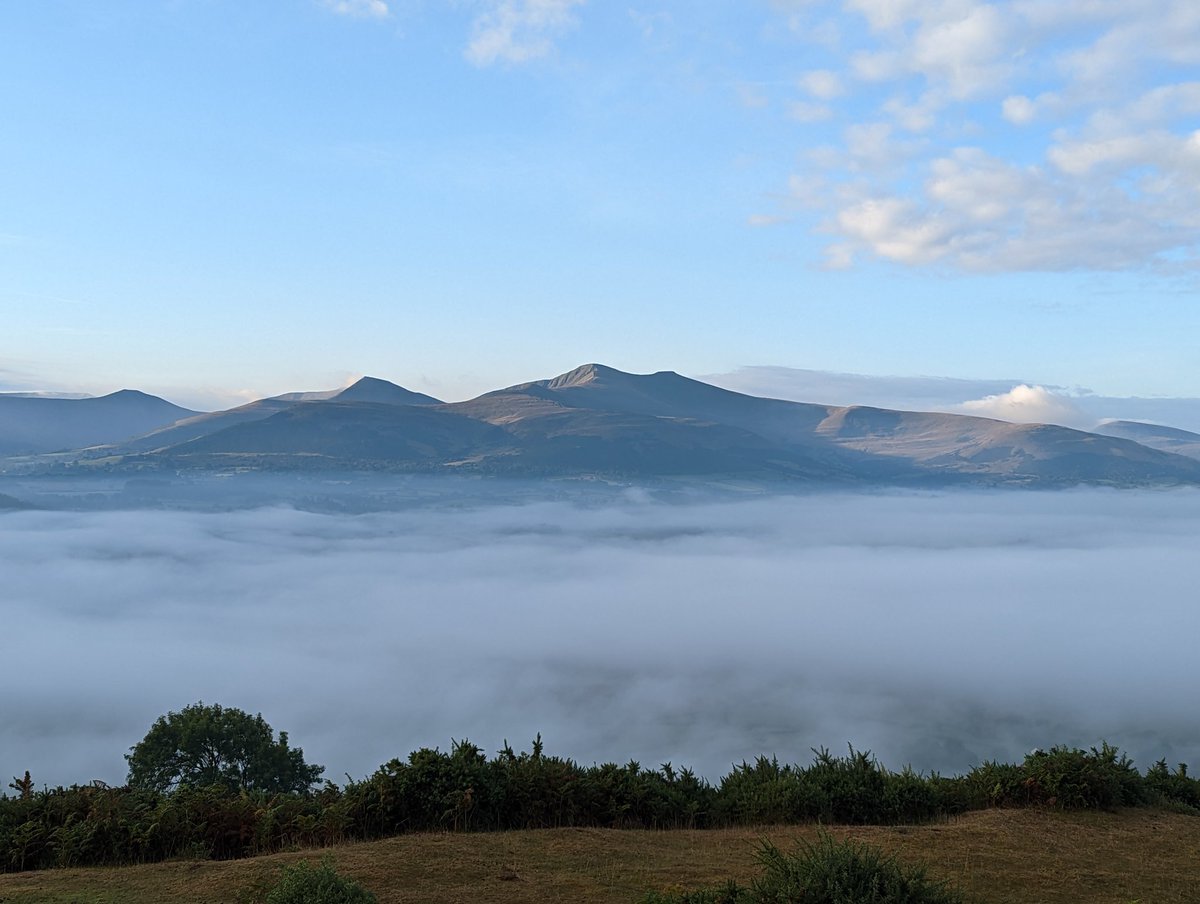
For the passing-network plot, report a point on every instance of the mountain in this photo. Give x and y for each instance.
(837, 443)
(30, 425)
(1156, 436)
(595, 421)
(368, 389)
(349, 433)
(371, 389)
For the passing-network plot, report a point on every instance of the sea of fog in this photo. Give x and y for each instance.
(933, 629)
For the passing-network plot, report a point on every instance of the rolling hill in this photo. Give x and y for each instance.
(29, 425)
(1156, 436)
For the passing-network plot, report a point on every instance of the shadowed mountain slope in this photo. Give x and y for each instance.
(368, 389)
(348, 433)
(33, 425)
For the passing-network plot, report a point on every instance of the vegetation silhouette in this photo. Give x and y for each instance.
(204, 745)
(462, 789)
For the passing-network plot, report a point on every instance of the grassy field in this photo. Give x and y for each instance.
(999, 856)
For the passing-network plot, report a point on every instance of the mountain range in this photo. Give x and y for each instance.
(593, 421)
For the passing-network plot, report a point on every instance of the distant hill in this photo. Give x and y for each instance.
(1156, 436)
(349, 432)
(368, 389)
(598, 421)
(30, 425)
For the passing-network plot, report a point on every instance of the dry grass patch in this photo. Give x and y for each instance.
(998, 856)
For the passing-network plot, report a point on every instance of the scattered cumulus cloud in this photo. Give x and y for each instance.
(516, 31)
(1019, 109)
(1057, 136)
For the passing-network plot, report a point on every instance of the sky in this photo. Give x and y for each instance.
(216, 200)
(938, 630)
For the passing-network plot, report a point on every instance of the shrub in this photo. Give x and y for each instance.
(308, 884)
(1176, 788)
(1077, 779)
(827, 872)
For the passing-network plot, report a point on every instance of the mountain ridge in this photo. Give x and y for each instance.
(595, 420)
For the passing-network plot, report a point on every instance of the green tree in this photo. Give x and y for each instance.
(206, 745)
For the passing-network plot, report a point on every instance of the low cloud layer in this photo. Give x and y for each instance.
(939, 630)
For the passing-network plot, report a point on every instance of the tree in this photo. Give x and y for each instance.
(206, 745)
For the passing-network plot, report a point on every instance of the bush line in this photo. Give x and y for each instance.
(464, 790)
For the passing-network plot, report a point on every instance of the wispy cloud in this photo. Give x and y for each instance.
(516, 31)
(362, 9)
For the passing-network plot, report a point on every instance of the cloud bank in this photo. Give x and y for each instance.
(933, 629)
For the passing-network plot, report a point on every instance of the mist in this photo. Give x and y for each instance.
(933, 629)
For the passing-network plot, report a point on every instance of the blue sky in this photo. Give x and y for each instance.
(218, 200)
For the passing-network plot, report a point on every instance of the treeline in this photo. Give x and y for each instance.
(464, 790)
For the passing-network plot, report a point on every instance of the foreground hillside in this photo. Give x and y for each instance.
(1032, 856)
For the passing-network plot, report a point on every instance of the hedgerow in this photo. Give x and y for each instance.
(463, 789)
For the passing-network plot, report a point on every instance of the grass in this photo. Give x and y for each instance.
(1030, 856)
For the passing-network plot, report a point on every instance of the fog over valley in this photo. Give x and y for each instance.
(937, 629)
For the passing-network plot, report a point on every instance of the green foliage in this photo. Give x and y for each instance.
(209, 745)
(308, 884)
(1173, 787)
(1077, 779)
(303, 883)
(1065, 777)
(464, 790)
(827, 872)
(853, 789)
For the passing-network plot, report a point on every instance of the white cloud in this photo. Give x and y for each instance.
(1019, 109)
(516, 31)
(365, 9)
(1025, 404)
(1108, 173)
(977, 212)
(823, 84)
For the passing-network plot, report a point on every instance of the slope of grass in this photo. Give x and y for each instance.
(1028, 856)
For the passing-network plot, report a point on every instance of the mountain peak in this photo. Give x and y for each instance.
(583, 375)
(373, 389)
(586, 374)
